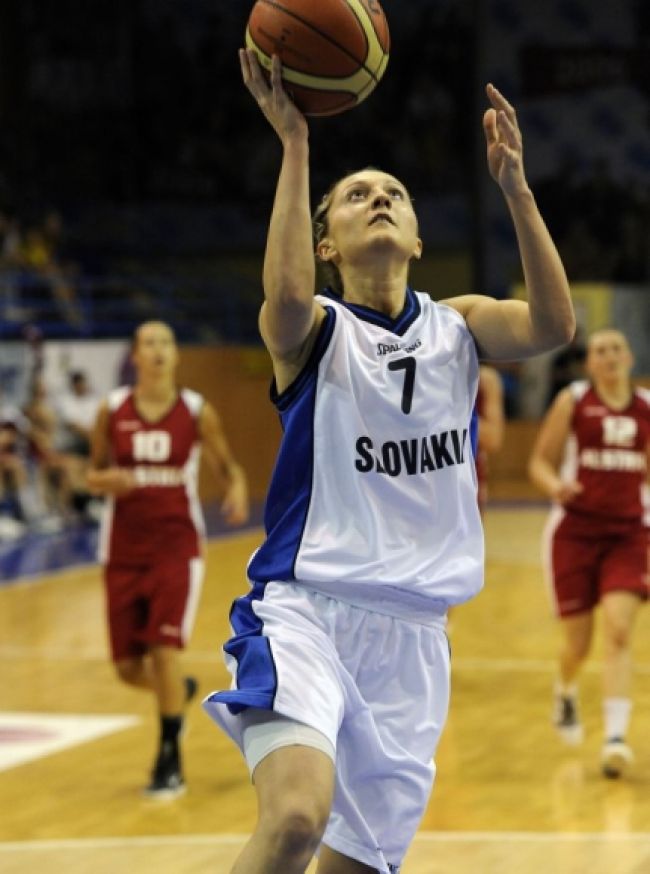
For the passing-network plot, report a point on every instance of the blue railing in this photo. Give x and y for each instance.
(201, 309)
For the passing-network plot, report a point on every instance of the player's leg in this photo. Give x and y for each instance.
(136, 671)
(331, 862)
(623, 588)
(173, 692)
(577, 633)
(295, 786)
(125, 615)
(175, 588)
(573, 571)
(619, 613)
(168, 680)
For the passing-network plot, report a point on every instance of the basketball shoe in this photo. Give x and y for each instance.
(166, 778)
(616, 757)
(567, 720)
(191, 686)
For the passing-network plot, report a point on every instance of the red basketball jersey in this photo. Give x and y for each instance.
(607, 454)
(162, 515)
(481, 455)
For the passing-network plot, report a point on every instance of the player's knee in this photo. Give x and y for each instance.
(296, 829)
(618, 635)
(163, 656)
(128, 670)
(577, 648)
(581, 649)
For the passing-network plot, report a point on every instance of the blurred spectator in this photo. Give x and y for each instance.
(50, 467)
(77, 410)
(19, 504)
(10, 240)
(37, 255)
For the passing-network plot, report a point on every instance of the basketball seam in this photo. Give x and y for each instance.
(359, 10)
(297, 77)
(326, 36)
(353, 10)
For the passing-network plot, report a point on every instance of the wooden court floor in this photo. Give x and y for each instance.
(508, 797)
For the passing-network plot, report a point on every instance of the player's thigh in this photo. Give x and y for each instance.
(294, 781)
(331, 862)
(624, 566)
(174, 591)
(578, 629)
(575, 563)
(125, 610)
(619, 610)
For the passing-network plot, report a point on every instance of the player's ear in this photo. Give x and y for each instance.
(326, 250)
(417, 252)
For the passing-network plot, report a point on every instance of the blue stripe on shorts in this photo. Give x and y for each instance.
(256, 677)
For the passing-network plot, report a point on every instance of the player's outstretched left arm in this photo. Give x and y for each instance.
(102, 477)
(518, 329)
(544, 463)
(234, 506)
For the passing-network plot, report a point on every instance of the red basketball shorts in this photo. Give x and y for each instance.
(583, 568)
(152, 605)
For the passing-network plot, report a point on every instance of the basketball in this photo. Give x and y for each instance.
(333, 52)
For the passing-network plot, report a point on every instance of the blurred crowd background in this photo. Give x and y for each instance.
(136, 178)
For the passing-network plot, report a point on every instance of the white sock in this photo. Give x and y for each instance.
(616, 712)
(566, 690)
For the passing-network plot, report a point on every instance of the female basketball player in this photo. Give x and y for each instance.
(339, 653)
(598, 542)
(491, 424)
(145, 454)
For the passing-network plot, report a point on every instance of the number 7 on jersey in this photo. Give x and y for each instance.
(408, 366)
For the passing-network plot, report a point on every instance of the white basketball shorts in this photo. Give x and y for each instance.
(377, 687)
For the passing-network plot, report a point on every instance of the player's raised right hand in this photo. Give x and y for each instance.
(280, 111)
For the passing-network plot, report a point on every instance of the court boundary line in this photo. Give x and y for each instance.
(237, 838)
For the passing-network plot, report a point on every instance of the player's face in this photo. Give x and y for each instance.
(371, 210)
(155, 351)
(608, 356)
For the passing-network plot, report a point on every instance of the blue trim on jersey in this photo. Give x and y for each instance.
(473, 431)
(284, 400)
(289, 496)
(398, 325)
(256, 677)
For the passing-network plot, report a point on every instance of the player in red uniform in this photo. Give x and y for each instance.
(145, 458)
(598, 543)
(491, 424)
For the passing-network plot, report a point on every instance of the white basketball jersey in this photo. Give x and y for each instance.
(373, 497)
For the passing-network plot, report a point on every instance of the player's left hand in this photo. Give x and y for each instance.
(504, 144)
(234, 506)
